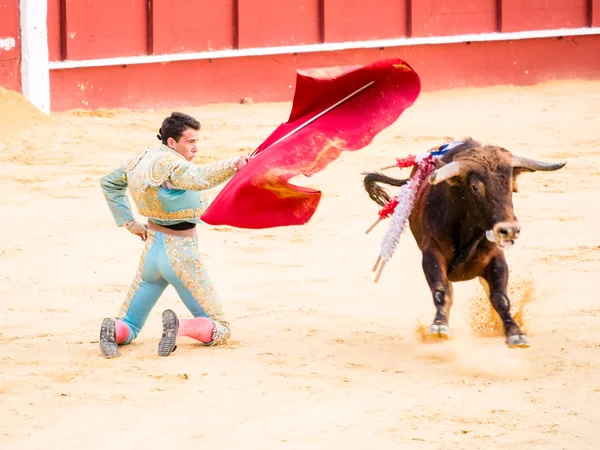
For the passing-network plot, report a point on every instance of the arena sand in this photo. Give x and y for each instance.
(321, 357)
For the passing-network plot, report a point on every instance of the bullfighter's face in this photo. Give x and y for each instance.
(186, 146)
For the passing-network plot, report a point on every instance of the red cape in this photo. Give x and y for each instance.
(259, 195)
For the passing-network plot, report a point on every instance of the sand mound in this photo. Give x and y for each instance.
(17, 113)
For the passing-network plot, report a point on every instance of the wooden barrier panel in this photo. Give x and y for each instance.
(192, 26)
(354, 20)
(526, 15)
(452, 17)
(594, 14)
(522, 62)
(104, 29)
(54, 30)
(263, 23)
(10, 45)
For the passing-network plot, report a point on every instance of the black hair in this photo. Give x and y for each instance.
(174, 126)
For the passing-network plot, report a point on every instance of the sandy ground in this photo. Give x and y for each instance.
(321, 357)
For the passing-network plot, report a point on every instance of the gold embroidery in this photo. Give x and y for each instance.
(195, 178)
(184, 257)
(149, 206)
(161, 169)
(221, 334)
(147, 172)
(184, 214)
(135, 285)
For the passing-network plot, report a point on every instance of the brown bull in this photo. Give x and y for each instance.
(462, 220)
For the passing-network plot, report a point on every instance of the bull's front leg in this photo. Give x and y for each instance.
(496, 276)
(435, 267)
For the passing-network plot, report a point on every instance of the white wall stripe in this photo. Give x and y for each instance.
(400, 42)
(35, 73)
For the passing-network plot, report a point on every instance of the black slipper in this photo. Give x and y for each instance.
(108, 339)
(167, 344)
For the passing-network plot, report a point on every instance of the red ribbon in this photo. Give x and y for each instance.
(425, 167)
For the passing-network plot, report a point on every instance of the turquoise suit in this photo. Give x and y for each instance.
(167, 190)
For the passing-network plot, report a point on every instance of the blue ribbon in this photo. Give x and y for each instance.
(446, 148)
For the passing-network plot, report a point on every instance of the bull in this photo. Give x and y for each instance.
(462, 220)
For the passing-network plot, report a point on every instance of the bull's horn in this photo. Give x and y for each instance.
(532, 164)
(448, 171)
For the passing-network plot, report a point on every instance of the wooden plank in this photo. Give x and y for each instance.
(594, 13)
(452, 17)
(346, 20)
(192, 26)
(54, 33)
(552, 14)
(263, 23)
(10, 74)
(528, 15)
(104, 29)
(510, 15)
(10, 45)
(333, 22)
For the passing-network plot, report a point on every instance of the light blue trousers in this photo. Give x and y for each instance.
(172, 260)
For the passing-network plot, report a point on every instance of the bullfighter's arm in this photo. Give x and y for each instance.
(197, 178)
(114, 187)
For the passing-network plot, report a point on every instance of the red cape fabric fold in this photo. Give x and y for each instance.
(259, 195)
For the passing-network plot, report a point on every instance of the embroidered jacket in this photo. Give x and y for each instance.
(165, 187)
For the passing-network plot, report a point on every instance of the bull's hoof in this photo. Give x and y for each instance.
(518, 340)
(439, 332)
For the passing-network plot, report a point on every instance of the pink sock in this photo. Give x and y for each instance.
(122, 331)
(199, 328)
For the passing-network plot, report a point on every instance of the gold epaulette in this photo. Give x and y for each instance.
(161, 168)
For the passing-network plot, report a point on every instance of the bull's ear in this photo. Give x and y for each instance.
(515, 177)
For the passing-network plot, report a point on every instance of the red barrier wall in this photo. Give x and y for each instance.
(79, 30)
(90, 30)
(272, 78)
(10, 45)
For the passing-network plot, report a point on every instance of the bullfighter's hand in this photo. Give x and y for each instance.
(139, 229)
(239, 162)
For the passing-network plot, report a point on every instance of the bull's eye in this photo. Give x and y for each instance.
(475, 187)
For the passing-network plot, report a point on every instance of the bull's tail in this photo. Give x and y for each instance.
(378, 194)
